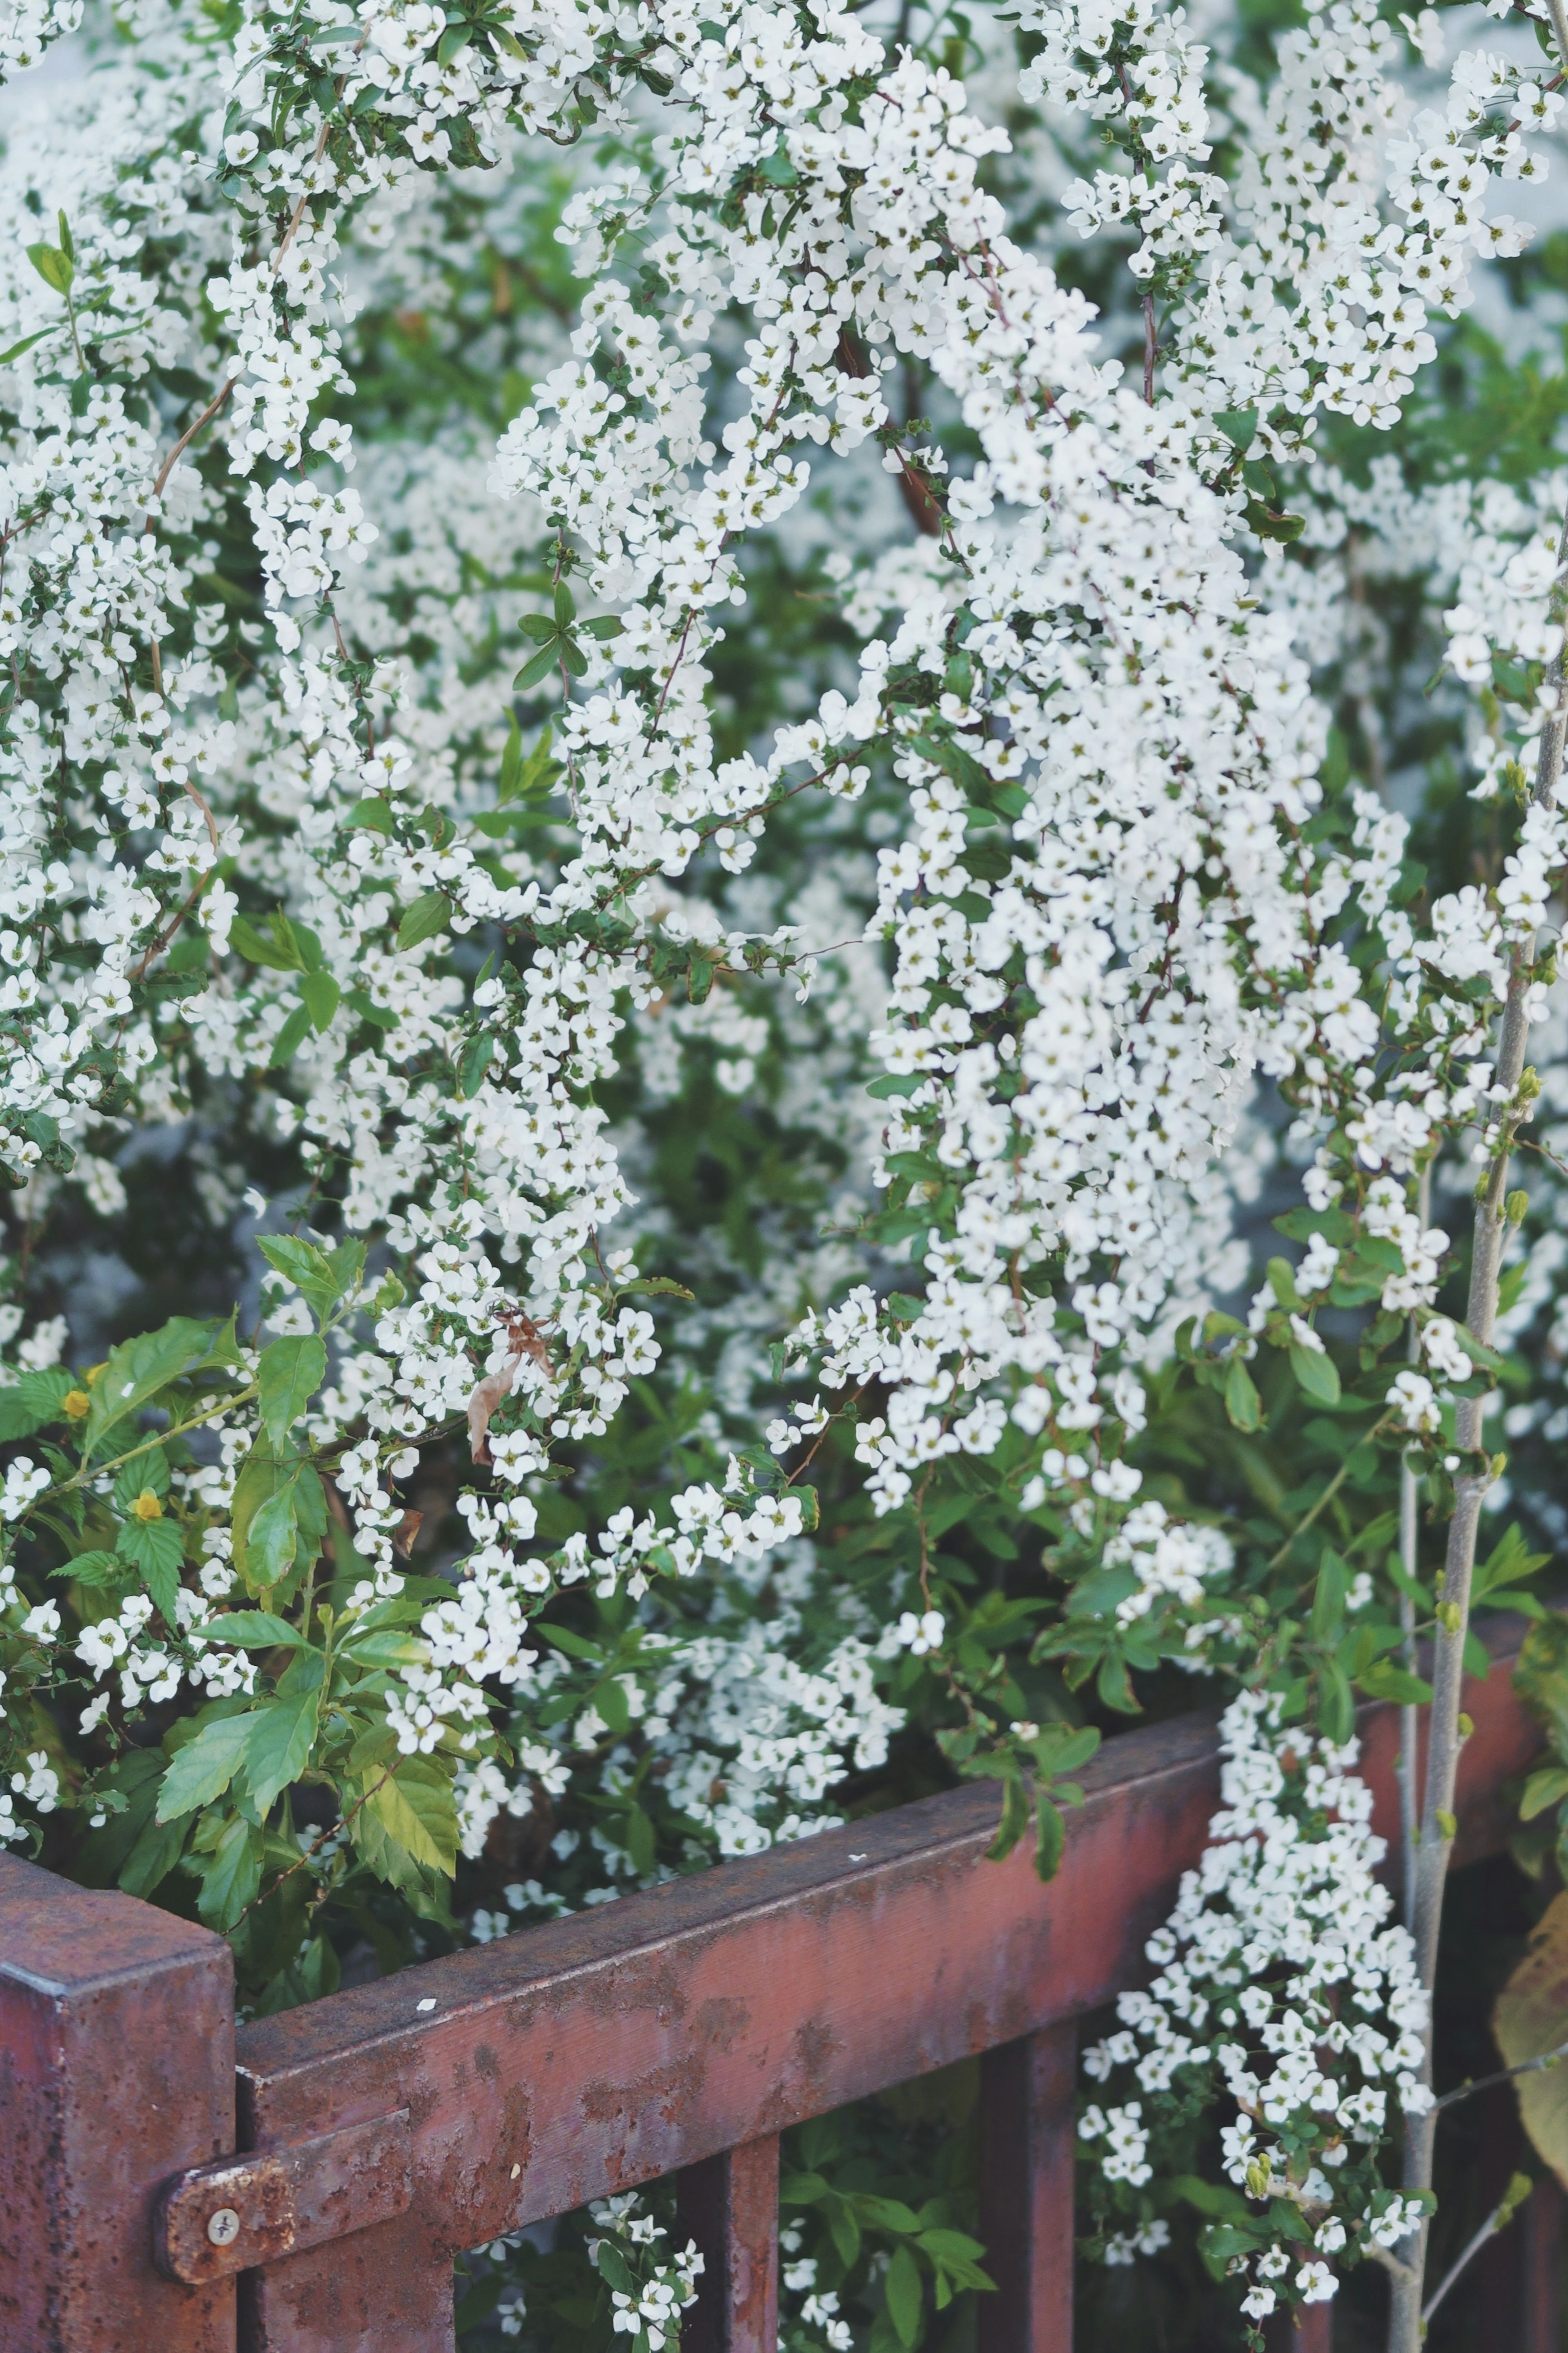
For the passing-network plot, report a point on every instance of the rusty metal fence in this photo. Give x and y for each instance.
(170, 2183)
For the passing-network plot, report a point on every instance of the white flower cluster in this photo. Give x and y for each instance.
(1281, 1984)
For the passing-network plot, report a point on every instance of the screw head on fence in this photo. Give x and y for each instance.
(223, 2228)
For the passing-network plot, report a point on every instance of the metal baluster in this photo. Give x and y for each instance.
(730, 2205)
(1027, 2144)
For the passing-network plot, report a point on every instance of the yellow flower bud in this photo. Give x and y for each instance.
(76, 1404)
(146, 1506)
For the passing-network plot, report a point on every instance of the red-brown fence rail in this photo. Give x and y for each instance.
(169, 2184)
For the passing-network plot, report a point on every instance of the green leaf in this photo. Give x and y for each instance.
(321, 1277)
(203, 1769)
(655, 1286)
(576, 1646)
(290, 1372)
(574, 660)
(279, 1747)
(426, 916)
(476, 1061)
(1243, 1405)
(1318, 1375)
(138, 1368)
(34, 1402)
(542, 665)
(1383, 1680)
(1329, 1599)
(280, 953)
(14, 351)
(1014, 1819)
(68, 242)
(156, 1550)
(1336, 1703)
(272, 1537)
(290, 1038)
(55, 268)
(415, 1807)
(906, 2300)
(95, 1569)
(1547, 1786)
(603, 626)
(510, 763)
(321, 996)
(565, 606)
(1050, 1839)
(535, 626)
(1239, 426)
(256, 1629)
(231, 1879)
(264, 1515)
(372, 812)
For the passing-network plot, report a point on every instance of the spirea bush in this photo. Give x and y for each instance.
(781, 828)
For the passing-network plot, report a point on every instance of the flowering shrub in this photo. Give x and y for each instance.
(652, 1001)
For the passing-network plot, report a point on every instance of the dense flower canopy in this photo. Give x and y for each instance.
(748, 1128)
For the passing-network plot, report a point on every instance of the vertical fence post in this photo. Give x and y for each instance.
(1027, 2147)
(116, 2070)
(730, 2205)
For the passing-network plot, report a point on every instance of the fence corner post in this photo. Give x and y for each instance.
(1029, 2147)
(116, 2070)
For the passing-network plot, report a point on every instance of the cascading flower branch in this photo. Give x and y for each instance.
(1284, 1994)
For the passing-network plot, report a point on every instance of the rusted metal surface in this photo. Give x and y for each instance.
(649, 2037)
(116, 2070)
(1029, 2146)
(247, 2211)
(590, 2054)
(730, 2205)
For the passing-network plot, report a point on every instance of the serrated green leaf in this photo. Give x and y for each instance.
(202, 1770)
(290, 1372)
(138, 1368)
(415, 1807)
(231, 1878)
(156, 1550)
(279, 1747)
(34, 1402)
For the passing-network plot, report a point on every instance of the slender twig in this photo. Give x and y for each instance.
(1464, 2091)
(1474, 1477)
(1410, 1555)
(315, 1847)
(1495, 2221)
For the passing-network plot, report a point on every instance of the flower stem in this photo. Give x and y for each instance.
(1471, 1485)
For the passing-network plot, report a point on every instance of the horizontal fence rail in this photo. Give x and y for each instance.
(301, 2185)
